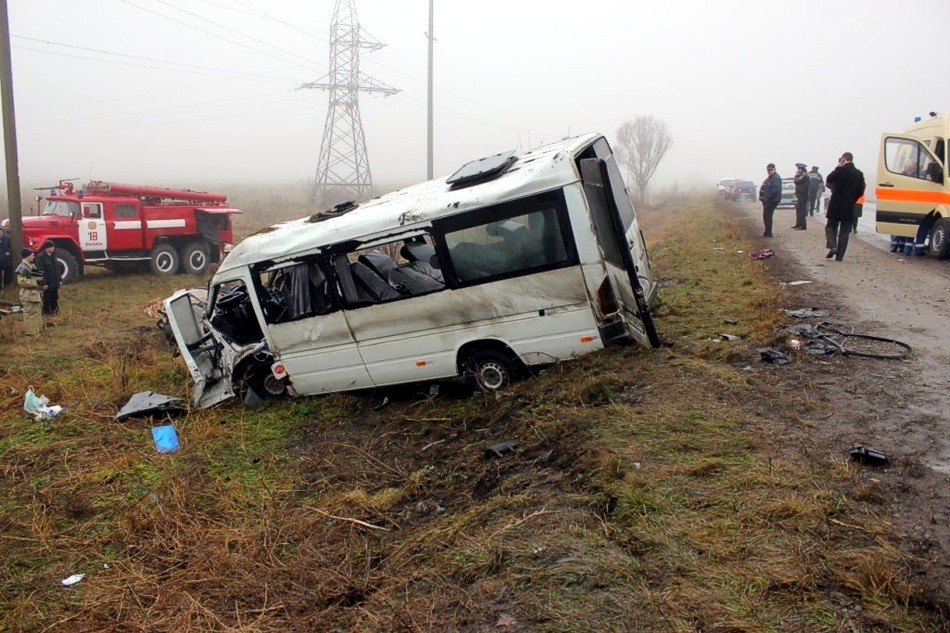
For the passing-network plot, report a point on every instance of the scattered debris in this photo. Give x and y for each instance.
(729, 337)
(807, 313)
(868, 456)
(825, 338)
(765, 253)
(504, 621)
(38, 406)
(166, 440)
(146, 403)
(786, 284)
(774, 356)
(72, 580)
(501, 448)
(382, 404)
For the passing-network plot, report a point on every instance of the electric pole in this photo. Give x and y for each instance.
(431, 37)
(9, 136)
(343, 165)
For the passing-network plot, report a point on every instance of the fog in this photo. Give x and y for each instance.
(181, 92)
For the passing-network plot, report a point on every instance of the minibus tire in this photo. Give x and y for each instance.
(490, 370)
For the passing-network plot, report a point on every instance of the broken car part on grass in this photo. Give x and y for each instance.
(513, 262)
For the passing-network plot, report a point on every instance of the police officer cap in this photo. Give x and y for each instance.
(801, 165)
(24, 253)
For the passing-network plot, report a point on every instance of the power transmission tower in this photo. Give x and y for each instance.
(343, 166)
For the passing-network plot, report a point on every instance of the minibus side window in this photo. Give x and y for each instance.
(515, 245)
(404, 268)
(295, 291)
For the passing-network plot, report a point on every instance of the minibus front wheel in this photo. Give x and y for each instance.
(490, 370)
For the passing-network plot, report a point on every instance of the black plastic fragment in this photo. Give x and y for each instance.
(774, 356)
(146, 403)
(868, 456)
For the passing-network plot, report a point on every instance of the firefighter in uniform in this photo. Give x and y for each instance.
(30, 295)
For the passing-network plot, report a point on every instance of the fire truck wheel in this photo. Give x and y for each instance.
(68, 266)
(940, 239)
(194, 258)
(164, 259)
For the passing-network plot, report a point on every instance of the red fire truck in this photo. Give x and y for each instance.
(111, 224)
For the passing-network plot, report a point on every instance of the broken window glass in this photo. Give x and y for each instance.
(233, 315)
(295, 291)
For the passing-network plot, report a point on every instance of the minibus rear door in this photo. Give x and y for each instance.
(621, 244)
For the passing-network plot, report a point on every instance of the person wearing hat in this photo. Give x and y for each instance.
(816, 187)
(801, 196)
(48, 264)
(770, 194)
(6, 259)
(30, 296)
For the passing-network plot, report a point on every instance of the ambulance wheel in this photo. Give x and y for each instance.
(68, 266)
(164, 259)
(490, 370)
(194, 258)
(940, 239)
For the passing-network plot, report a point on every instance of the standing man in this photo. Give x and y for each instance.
(770, 193)
(801, 196)
(6, 259)
(29, 294)
(847, 185)
(816, 187)
(48, 264)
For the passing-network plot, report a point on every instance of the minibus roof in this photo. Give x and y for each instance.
(542, 169)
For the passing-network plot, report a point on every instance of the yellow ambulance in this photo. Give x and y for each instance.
(913, 192)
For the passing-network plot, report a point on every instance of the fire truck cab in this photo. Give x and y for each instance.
(112, 225)
(913, 189)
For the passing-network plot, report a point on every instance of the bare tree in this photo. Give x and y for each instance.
(641, 145)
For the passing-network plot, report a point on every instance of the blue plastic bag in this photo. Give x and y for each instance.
(166, 440)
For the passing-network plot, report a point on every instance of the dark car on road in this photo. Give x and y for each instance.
(742, 188)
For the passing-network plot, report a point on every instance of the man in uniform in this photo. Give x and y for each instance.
(801, 196)
(48, 264)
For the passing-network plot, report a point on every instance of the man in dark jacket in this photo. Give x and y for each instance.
(48, 264)
(6, 259)
(770, 193)
(847, 185)
(801, 196)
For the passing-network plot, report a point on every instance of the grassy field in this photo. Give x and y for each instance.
(646, 493)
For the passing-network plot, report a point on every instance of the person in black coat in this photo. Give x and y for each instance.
(847, 185)
(770, 194)
(6, 259)
(48, 264)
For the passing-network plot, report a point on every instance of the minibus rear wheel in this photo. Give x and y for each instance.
(490, 370)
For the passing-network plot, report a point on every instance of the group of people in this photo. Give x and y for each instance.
(39, 281)
(844, 207)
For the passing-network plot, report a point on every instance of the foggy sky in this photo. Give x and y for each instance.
(177, 92)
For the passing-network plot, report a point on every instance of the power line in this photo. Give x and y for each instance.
(227, 28)
(206, 32)
(218, 71)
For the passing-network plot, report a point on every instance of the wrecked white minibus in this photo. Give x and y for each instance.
(514, 261)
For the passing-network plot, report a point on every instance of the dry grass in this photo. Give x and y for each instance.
(647, 492)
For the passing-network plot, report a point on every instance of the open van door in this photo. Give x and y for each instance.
(621, 243)
(910, 185)
(200, 350)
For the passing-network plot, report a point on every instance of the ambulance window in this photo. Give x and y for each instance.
(906, 157)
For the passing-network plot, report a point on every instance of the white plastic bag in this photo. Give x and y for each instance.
(32, 402)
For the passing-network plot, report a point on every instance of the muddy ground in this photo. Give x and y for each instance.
(899, 407)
